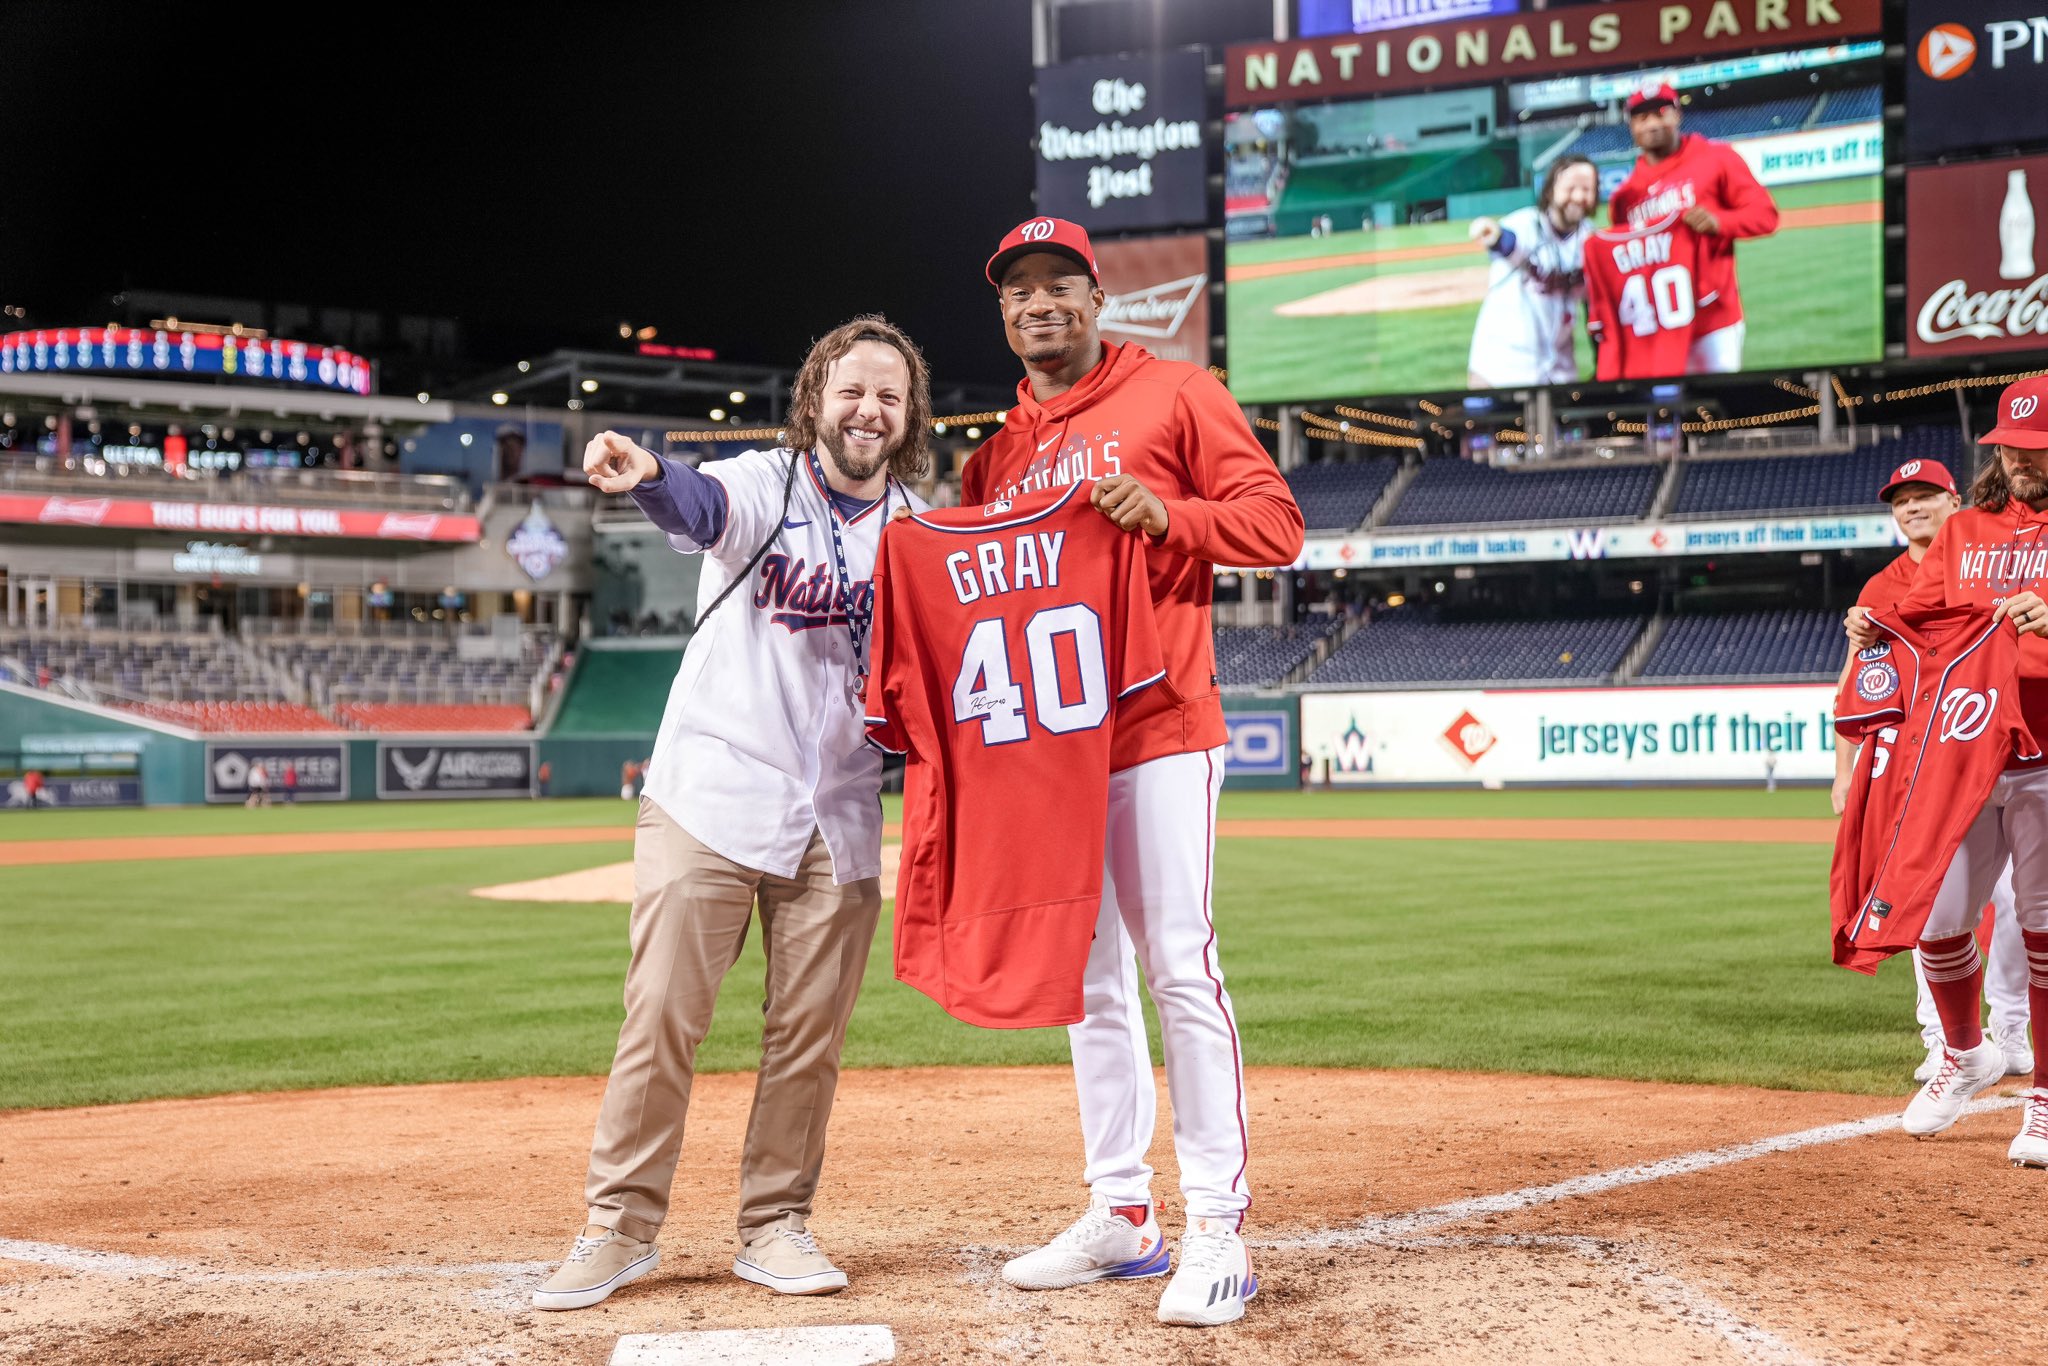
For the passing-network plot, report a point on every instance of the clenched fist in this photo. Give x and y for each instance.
(615, 464)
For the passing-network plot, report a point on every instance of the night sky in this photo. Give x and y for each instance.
(743, 177)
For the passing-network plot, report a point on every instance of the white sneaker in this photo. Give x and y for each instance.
(1930, 1064)
(2030, 1149)
(786, 1258)
(2012, 1041)
(1215, 1277)
(1102, 1244)
(598, 1264)
(1961, 1075)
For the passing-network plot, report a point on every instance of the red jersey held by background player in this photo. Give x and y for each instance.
(1709, 175)
(1644, 300)
(1934, 704)
(1979, 559)
(1004, 637)
(1176, 429)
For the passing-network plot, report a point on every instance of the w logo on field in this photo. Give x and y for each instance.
(2023, 407)
(1965, 714)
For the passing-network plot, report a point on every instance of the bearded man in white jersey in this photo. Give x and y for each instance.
(762, 788)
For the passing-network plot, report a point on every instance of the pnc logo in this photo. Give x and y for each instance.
(1947, 51)
(2025, 406)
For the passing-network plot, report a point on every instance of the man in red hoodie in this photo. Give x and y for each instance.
(1709, 188)
(1170, 457)
(1994, 554)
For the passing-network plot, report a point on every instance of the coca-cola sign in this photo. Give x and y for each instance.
(1158, 290)
(1976, 264)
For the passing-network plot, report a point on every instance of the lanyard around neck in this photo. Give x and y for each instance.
(858, 618)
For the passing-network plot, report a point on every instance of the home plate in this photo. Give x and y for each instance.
(853, 1345)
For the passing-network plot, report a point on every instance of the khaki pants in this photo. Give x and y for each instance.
(691, 908)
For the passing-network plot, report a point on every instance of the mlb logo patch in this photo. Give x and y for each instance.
(996, 508)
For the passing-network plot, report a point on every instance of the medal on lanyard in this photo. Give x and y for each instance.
(857, 619)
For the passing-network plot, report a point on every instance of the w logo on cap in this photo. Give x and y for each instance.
(2024, 406)
(1908, 470)
(1037, 230)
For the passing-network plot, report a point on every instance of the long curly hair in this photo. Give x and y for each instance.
(1991, 490)
(806, 397)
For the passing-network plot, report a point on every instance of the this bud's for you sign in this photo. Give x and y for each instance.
(1120, 141)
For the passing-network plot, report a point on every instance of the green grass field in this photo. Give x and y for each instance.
(1811, 296)
(1675, 962)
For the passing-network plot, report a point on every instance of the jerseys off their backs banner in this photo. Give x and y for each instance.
(1572, 735)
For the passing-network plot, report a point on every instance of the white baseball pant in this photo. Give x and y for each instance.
(1160, 863)
(2012, 826)
(1718, 352)
(2005, 974)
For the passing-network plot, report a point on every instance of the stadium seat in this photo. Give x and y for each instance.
(1789, 483)
(1410, 645)
(425, 716)
(1338, 495)
(1751, 646)
(1451, 491)
(1263, 656)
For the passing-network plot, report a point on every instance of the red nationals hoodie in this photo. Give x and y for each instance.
(1177, 430)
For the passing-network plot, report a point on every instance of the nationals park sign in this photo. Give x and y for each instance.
(1628, 33)
(1572, 735)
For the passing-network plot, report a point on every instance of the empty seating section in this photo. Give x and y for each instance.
(1861, 105)
(181, 668)
(236, 717)
(1813, 482)
(1750, 645)
(431, 716)
(1409, 645)
(616, 691)
(335, 670)
(1453, 492)
(1337, 495)
(1263, 656)
(1743, 121)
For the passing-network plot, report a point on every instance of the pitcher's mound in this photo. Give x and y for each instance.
(1394, 294)
(614, 882)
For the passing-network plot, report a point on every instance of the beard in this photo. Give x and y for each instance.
(853, 466)
(2026, 485)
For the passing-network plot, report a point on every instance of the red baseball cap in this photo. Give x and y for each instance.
(1055, 235)
(1918, 472)
(1651, 95)
(2022, 416)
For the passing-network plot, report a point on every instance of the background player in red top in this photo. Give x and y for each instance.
(1922, 494)
(1994, 553)
(1169, 455)
(1711, 189)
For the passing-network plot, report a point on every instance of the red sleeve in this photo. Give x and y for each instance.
(1243, 512)
(1599, 316)
(1751, 212)
(889, 662)
(1141, 663)
(1930, 585)
(971, 478)
(1625, 196)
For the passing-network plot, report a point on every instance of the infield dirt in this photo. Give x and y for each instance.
(410, 1224)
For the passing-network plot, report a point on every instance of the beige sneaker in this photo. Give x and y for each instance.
(602, 1260)
(785, 1258)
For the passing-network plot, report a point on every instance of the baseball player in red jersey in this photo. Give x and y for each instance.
(1711, 189)
(1169, 456)
(1994, 553)
(1922, 494)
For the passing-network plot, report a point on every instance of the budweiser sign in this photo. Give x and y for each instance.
(1158, 292)
(1974, 276)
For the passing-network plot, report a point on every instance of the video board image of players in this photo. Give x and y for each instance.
(1437, 241)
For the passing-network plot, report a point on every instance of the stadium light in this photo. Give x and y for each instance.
(718, 414)
(469, 438)
(501, 398)
(938, 428)
(525, 366)
(424, 396)
(737, 396)
(590, 386)
(974, 433)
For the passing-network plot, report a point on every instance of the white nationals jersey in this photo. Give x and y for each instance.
(1937, 706)
(1526, 324)
(1644, 292)
(1004, 637)
(762, 738)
